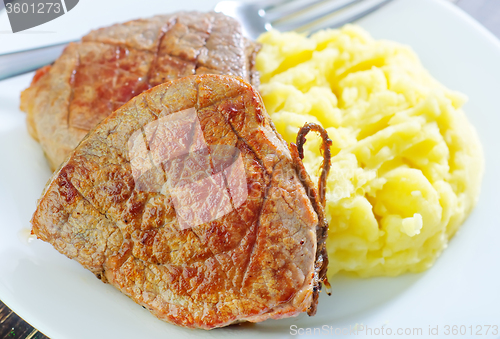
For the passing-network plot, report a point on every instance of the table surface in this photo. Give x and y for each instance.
(485, 11)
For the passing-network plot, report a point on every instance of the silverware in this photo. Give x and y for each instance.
(255, 18)
(301, 15)
(12, 64)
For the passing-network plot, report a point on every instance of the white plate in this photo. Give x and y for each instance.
(63, 300)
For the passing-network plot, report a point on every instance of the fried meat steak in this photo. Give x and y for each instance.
(111, 65)
(262, 258)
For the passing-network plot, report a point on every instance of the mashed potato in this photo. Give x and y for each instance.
(406, 166)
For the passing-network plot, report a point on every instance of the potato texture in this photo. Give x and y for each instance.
(407, 164)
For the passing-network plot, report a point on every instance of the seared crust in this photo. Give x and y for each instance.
(254, 263)
(111, 65)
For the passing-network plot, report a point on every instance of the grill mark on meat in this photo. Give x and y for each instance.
(185, 58)
(226, 184)
(106, 77)
(250, 229)
(131, 244)
(253, 229)
(290, 206)
(192, 229)
(257, 228)
(209, 31)
(219, 101)
(117, 152)
(178, 58)
(105, 214)
(149, 154)
(244, 142)
(268, 185)
(163, 31)
(70, 193)
(72, 85)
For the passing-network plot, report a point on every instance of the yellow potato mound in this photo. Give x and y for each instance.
(406, 166)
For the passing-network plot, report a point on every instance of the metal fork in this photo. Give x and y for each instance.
(255, 18)
(301, 15)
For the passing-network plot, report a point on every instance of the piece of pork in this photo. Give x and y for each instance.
(111, 65)
(187, 200)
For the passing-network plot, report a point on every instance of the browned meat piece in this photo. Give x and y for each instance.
(138, 204)
(111, 65)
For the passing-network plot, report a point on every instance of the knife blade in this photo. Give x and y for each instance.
(16, 63)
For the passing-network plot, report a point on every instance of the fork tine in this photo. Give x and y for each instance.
(267, 4)
(352, 14)
(291, 10)
(304, 19)
(349, 10)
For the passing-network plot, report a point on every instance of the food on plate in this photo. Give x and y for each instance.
(111, 65)
(406, 163)
(187, 200)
